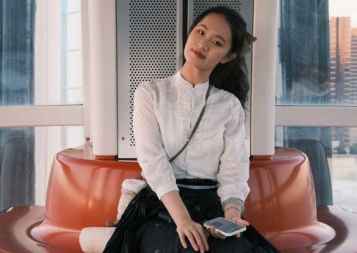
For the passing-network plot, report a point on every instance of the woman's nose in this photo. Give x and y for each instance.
(203, 45)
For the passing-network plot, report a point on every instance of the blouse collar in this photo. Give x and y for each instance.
(198, 87)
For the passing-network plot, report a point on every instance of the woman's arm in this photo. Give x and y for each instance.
(233, 170)
(234, 166)
(151, 153)
(157, 169)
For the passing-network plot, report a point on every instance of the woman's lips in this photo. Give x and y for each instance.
(198, 54)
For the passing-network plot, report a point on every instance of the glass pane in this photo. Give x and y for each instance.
(35, 37)
(73, 92)
(73, 5)
(74, 70)
(74, 26)
(332, 152)
(318, 53)
(26, 156)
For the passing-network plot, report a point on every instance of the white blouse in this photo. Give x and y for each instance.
(165, 111)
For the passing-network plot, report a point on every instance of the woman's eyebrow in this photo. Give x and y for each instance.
(217, 35)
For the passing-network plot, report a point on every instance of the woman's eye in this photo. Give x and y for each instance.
(217, 43)
(200, 32)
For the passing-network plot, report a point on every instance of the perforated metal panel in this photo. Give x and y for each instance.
(152, 44)
(201, 5)
(146, 51)
(149, 49)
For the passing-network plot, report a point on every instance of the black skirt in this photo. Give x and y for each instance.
(146, 226)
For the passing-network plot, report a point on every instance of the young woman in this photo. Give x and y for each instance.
(209, 178)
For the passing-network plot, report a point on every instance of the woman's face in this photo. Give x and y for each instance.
(209, 43)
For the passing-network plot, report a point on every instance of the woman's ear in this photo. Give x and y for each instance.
(228, 57)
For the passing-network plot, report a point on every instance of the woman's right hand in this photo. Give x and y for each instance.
(194, 233)
(186, 227)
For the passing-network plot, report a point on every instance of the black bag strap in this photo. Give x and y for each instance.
(193, 131)
(194, 128)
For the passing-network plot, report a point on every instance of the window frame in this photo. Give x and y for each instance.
(332, 116)
(22, 116)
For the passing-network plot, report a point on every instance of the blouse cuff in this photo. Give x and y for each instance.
(234, 200)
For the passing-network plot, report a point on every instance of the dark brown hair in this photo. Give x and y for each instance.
(230, 76)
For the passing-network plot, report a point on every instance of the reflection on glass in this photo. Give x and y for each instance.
(26, 156)
(36, 40)
(16, 52)
(318, 53)
(333, 161)
(17, 167)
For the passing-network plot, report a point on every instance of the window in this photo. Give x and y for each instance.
(40, 66)
(72, 83)
(341, 163)
(58, 53)
(317, 69)
(26, 156)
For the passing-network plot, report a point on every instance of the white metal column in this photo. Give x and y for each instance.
(102, 42)
(264, 77)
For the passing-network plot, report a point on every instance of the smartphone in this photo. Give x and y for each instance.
(224, 226)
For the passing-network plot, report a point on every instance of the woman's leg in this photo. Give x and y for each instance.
(242, 244)
(157, 237)
(230, 245)
(160, 237)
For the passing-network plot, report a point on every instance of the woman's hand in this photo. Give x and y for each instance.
(215, 233)
(232, 213)
(186, 227)
(194, 233)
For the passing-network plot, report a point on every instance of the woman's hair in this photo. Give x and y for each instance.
(230, 76)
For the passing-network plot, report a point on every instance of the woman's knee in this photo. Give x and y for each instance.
(157, 237)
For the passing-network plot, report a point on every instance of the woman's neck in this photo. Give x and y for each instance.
(194, 75)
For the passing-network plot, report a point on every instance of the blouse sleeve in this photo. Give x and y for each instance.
(234, 162)
(151, 153)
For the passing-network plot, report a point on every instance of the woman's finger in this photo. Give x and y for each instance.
(199, 240)
(211, 230)
(203, 238)
(240, 221)
(182, 237)
(219, 235)
(216, 234)
(192, 240)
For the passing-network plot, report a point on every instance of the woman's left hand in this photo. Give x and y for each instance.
(234, 215)
(215, 233)
(230, 214)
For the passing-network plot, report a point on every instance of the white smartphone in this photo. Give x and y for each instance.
(225, 227)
